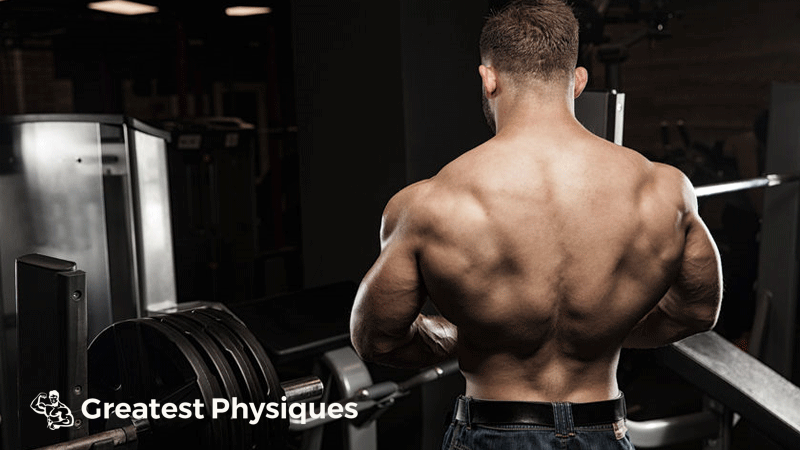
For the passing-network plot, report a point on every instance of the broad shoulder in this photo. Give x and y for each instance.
(665, 181)
(406, 209)
(421, 209)
(672, 184)
(659, 185)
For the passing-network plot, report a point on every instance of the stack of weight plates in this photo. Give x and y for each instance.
(202, 354)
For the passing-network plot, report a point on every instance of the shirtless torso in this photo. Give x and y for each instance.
(545, 254)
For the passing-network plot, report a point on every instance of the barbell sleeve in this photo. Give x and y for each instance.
(303, 389)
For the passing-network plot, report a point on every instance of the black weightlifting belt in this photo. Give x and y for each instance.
(538, 413)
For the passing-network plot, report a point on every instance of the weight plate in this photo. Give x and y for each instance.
(237, 352)
(140, 360)
(233, 349)
(265, 369)
(215, 359)
(220, 436)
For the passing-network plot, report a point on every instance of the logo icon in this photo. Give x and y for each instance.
(57, 413)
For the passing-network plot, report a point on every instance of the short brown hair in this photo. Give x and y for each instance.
(537, 38)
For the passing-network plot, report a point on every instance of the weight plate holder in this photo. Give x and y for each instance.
(233, 350)
(138, 360)
(240, 433)
(277, 429)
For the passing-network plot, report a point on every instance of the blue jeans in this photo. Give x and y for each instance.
(463, 435)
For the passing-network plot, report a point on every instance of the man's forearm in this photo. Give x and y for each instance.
(431, 340)
(656, 329)
(692, 303)
(664, 325)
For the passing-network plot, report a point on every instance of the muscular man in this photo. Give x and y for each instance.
(546, 250)
(58, 414)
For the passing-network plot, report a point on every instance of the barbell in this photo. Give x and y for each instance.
(743, 185)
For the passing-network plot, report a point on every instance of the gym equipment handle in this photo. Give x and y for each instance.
(381, 394)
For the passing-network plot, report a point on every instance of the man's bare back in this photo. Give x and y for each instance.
(546, 249)
(543, 257)
(563, 248)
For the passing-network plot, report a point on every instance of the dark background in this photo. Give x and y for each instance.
(352, 100)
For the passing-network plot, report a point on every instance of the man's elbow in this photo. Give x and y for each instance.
(703, 314)
(712, 312)
(359, 335)
(690, 321)
(711, 322)
(363, 348)
(367, 346)
(704, 320)
(376, 347)
(704, 325)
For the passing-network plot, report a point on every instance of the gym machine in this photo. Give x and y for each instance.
(92, 188)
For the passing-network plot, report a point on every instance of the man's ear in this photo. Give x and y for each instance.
(489, 78)
(581, 78)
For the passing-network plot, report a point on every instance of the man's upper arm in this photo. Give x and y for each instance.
(391, 295)
(697, 291)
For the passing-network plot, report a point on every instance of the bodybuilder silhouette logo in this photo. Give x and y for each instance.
(57, 413)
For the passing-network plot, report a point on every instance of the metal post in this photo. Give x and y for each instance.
(602, 113)
(724, 415)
